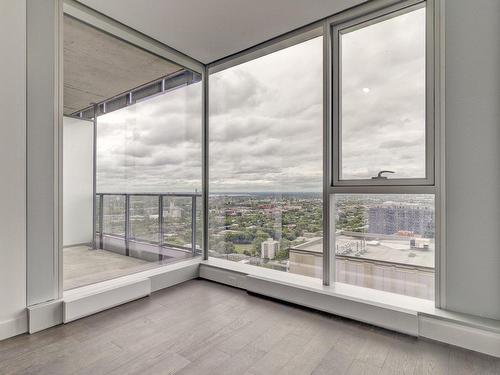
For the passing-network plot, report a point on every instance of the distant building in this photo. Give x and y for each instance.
(307, 258)
(173, 211)
(393, 217)
(269, 248)
(382, 267)
(420, 243)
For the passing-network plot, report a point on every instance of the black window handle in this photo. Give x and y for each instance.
(380, 177)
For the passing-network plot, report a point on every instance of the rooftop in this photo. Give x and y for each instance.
(385, 249)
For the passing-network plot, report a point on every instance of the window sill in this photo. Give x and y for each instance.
(350, 292)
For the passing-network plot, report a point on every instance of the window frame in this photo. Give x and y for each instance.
(357, 20)
(435, 58)
(434, 116)
(316, 29)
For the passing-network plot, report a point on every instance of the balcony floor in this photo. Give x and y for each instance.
(84, 266)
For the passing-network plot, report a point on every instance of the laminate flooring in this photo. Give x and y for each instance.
(200, 327)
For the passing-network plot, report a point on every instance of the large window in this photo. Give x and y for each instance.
(149, 175)
(337, 120)
(383, 148)
(266, 123)
(381, 86)
(132, 157)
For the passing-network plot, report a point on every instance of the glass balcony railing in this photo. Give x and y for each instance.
(153, 223)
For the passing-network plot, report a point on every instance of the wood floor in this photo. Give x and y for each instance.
(201, 327)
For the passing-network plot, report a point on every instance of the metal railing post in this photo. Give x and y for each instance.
(161, 230)
(101, 220)
(193, 224)
(205, 170)
(127, 224)
(94, 179)
(161, 219)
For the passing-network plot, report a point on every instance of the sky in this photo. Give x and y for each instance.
(383, 98)
(266, 120)
(152, 146)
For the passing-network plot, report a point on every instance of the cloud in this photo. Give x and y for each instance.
(274, 141)
(266, 120)
(152, 146)
(236, 89)
(381, 126)
(398, 143)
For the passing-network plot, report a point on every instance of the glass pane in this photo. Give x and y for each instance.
(153, 146)
(383, 98)
(114, 215)
(386, 242)
(266, 160)
(144, 223)
(199, 225)
(177, 221)
(147, 149)
(98, 213)
(147, 114)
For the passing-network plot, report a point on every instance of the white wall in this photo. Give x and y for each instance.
(77, 181)
(12, 168)
(473, 156)
(43, 209)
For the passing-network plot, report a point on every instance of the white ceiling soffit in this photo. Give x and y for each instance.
(209, 30)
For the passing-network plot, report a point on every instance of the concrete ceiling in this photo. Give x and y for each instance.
(208, 30)
(98, 66)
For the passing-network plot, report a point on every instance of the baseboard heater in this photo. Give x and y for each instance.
(93, 301)
(400, 320)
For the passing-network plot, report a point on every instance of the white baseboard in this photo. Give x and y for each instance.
(80, 305)
(176, 274)
(81, 302)
(395, 320)
(14, 327)
(453, 333)
(224, 276)
(45, 315)
(418, 319)
(400, 320)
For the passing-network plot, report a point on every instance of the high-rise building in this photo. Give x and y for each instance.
(269, 248)
(174, 212)
(392, 217)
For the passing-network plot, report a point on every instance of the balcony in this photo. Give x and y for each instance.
(135, 232)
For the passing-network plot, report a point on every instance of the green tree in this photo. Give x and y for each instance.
(283, 254)
(225, 247)
(256, 244)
